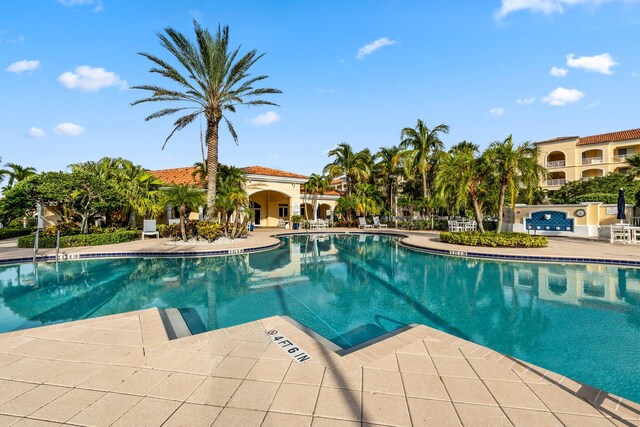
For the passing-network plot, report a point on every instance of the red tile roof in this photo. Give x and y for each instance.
(610, 137)
(560, 138)
(261, 170)
(177, 176)
(603, 137)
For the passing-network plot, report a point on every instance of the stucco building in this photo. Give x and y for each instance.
(273, 194)
(574, 158)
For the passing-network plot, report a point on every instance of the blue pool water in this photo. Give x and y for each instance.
(582, 321)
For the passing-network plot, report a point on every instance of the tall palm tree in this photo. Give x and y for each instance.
(634, 163)
(389, 169)
(16, 173)
(215, 80)
(421, 145)
(462, 175)
(316, 185)
(368, 199)
(186, 198)
(354, 166)
(514, 166)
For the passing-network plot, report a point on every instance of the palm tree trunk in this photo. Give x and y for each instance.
(424, 189)
(212, 167)
(503, 190)
(183, 227)
(476, 209)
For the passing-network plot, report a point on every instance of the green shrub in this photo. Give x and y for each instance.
(67, 228)
(598, 197)
(171, 231)
(503, 240)
(8, 233)
(209, 231)
(80, 240)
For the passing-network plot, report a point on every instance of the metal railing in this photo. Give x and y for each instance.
(556, 164)
(592, 160)
(560, 181)
(619, 158)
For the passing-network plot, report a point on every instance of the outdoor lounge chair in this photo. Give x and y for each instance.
(363, 223)
(174, 221)
(377, 223)
(149, 228)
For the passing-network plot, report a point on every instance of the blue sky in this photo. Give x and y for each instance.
(356, 71)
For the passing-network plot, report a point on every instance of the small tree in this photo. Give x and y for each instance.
(186, 198)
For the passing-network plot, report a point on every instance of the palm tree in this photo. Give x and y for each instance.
(186, 198)
(200, 171)
(389, 168)
(231, 181)
(368, 199)
(354, 166)
(316, 185)
(514, 166)
(634, 163)
(462, 175)
(16, 173)
(214, 82)
(420, 145)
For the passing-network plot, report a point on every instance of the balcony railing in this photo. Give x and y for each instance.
(587, 178)
(554, 182)
(555, 164)
(619, 158)
(592, 160)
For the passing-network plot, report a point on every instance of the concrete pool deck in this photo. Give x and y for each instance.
(123, 370)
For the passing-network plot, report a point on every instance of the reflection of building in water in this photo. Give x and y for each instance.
(579, 284)
(286, 265)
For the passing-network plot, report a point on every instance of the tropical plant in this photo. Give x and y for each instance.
(316, 185)
(16, 173)
(514, 166)
(578, 191)
(634, 163)
(368, 200)
(462, 176)
(354, 166)
(186, 198)
(214, 82)
(388, 168)
(421, 145)
(232, 198)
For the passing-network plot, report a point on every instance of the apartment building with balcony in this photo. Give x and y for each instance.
(573, 158)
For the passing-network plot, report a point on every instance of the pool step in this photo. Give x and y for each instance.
(174, 323)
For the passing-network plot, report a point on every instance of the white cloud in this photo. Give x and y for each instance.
(22, 66)
(598, 63)
(561, 96)
(496, 112)
(97, 4)
(265, 119)
(368, 49)
(69, 129)
(546, 7)
(526, 101)
(558, 72)
(90, 79)
(36, 133)
(17, 40)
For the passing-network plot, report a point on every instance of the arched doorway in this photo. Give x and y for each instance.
(271, 206)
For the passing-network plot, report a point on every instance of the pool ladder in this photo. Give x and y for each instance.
(35, 245)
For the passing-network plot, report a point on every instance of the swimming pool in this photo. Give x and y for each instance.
(582, 321)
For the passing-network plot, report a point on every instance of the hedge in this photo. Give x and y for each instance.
(598, 197)
(80, 240)
(8, 233)
(503, 240)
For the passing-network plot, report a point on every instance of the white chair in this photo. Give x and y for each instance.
(313, 224)
(454, 226)
(470, 226)
(377, 223)
(174, 221)
(363, 223)
(149, 228)
(619, 233)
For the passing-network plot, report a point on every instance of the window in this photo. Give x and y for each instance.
(283, 210)
(302, 211)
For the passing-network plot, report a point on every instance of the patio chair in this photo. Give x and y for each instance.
(377, 223)
(363, 223)
(174, 221)
(149, 228)
(619, 233)
(454, 226)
